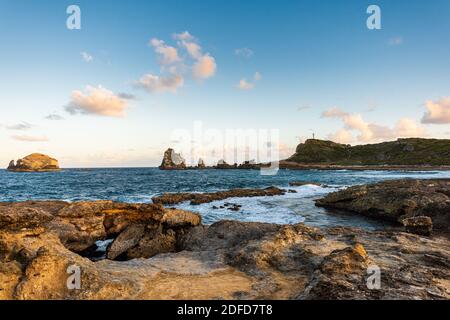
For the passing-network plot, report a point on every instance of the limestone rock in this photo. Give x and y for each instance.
(199, 198)
(396, 200)
(35, 162)
(201, 164)
(172, 161)
(418, 225)
(170, 259)
(126, 240)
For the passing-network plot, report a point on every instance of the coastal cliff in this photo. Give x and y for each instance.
(35, 162)
(407, 152)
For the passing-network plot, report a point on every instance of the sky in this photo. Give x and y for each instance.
(140, 74)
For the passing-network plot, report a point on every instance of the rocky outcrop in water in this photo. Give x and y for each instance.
(201, 164)
(420, 205)
(35, 162)
(172, 161)
(41, 247)
(303, 183)
(199, 198)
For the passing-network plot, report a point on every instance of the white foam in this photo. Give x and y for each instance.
(272, 209)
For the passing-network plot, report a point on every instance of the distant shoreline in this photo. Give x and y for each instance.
(300, 166)
(283, 166)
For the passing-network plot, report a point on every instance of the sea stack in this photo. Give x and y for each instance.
(201, 164)
(172, 161)
(36, 162)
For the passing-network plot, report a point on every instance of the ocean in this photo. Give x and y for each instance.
(141, 184)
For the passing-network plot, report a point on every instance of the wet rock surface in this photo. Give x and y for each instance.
(199, 198)
(397, 201)
(169, 254)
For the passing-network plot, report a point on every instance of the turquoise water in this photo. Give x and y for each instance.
(141, 184)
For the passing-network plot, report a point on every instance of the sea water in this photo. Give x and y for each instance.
(141, 184)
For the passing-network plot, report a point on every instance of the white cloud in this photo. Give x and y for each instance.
(244, 52)
(174, 66)
(371, 132)
(168, 54)
(54, 116)
(247, 85)
(98, 101)
(204, 68)
(87, 57)
(27, 138)
(342, 136)
(438, 112)
(153, 83)
(205, 65)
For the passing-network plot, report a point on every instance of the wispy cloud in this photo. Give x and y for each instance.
(97, 101)
(86, 56)
(54, 116)
(153, 83)
(304, 107)
(19, 126)
(244, 84)
(244, 52)
(127, 96)
(27, 138)
(395, 41)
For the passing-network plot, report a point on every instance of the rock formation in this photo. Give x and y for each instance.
(35, 162)
(41, 242)
(201, 164)
(398, 201)
(199, 198)
(172, 161)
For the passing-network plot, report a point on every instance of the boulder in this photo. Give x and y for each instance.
(418, 225)
(172, 161)
(35, 162)
(396, 200)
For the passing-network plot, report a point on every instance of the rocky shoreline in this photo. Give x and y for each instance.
(420, 205)
(161, 253)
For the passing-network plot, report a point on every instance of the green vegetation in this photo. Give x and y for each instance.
(411, 151)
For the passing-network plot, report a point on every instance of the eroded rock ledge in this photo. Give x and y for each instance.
(199, 198)
(420, 205)
(229, 259)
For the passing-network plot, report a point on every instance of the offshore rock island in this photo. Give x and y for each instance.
(35, 162)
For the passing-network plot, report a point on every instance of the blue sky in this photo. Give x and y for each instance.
(321, 70)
